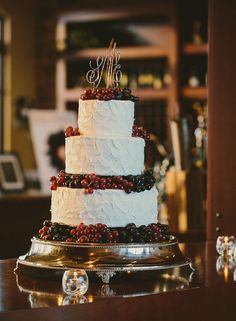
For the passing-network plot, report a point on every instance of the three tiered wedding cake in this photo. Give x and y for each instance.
(104, 194)
(105, 148)
(104, 204)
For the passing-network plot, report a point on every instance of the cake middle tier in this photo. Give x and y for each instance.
(115, 208)
(104, 156)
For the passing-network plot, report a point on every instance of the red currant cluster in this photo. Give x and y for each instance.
(70, 131)
(101, 233)
(55, 182)
(91, 182)
(98, 233)
(108, 94)
(140, 132)
(44, 233)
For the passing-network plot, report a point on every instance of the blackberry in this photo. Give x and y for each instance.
(126, 90)
(47, 223)
(149, 172)
(122, 236)
(119, 96)
(57, 237)
(142, 229)
(64, 238)
(130, 239)
(131, 228)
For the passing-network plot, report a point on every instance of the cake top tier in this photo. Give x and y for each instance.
(99, 118)
(109, 111)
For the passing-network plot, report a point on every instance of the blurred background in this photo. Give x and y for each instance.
(45, 47)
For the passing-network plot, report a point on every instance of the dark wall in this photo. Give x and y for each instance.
(21, 218)
(222, 119)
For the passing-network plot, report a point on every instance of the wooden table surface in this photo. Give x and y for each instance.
(210, 295)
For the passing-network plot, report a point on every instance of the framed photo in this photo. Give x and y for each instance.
(47, 129)
(11, 173)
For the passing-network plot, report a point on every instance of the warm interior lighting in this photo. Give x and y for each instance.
(60, 300)
(226, 273)
(226, 239)
(90, 298)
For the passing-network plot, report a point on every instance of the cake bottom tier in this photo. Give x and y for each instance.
(115, 208)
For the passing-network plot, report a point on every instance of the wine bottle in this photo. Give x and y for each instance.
(133, 83)
(194, 79)
(157, 81)
(197, 28)
(166, 78)
(145, 79)
(124, 80)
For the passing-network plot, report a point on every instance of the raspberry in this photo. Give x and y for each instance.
(92, 177)
(90, 190)
(73, 232)
(83, 239)
(84, 183)
(80, 227)
(76, 131)
(53, 187)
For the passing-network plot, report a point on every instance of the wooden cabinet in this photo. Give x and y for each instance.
(22, 216)
(222, 117)
(193, 49)
(151, 39)
(147, 42)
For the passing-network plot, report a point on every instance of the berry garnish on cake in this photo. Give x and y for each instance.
(91, 182)
(101, 233)
(109, 94)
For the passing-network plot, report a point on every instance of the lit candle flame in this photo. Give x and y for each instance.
(226, 239)
(226, 273)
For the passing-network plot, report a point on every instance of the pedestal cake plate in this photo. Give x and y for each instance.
(46, 293)
(104, 182)
(53, 258)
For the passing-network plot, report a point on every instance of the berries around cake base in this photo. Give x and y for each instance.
(101, 233)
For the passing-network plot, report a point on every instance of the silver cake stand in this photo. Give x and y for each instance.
(52, 257)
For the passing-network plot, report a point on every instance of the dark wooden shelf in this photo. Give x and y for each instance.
(149, 93)
(195, 49)
(196, 93)
(135, 52)
(25, 196)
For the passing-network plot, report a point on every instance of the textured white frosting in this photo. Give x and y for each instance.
(104, 156)
(112, 207)
(106, 118)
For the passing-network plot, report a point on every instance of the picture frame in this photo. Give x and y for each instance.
(43, 124)
(12, 177)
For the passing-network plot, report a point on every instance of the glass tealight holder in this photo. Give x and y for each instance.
(75, 282)
(225, 265)
(225, 245)
(74, 299)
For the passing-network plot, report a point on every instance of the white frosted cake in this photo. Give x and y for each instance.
(105, 194)
(106, 148)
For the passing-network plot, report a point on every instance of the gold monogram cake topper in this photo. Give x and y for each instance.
(107, 67)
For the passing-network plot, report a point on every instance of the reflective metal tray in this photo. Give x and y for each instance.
(104, 259)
